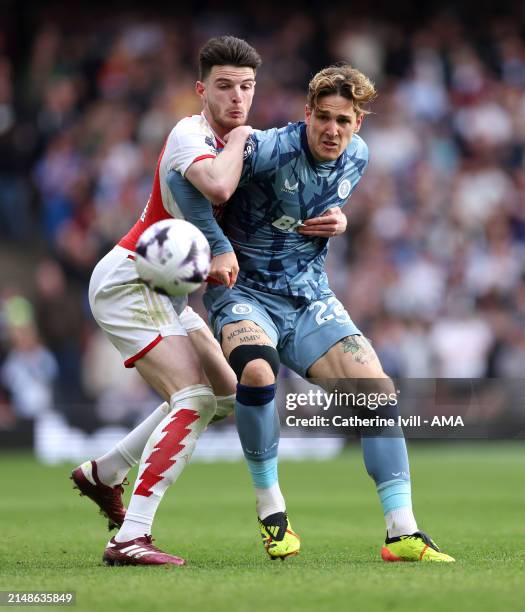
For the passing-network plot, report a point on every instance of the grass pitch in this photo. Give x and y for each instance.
(469, 497)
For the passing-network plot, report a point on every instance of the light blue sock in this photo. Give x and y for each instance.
(394, 494)
(386, 461)
(264, 473)
(259, 429)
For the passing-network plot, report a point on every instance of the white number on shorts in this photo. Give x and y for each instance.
(339, 312)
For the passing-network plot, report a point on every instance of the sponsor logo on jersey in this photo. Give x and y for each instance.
(288, 187)
(242, 309)
(343, 191)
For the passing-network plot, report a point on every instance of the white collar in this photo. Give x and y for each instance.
(217, 138)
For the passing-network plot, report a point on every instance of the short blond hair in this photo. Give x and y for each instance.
(342, 80)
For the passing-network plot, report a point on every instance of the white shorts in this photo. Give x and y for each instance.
(134, 317)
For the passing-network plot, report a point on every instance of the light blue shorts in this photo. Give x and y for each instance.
(302, 331)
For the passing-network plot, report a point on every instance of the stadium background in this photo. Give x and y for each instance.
(432, 268)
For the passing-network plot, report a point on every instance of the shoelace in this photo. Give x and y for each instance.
(114, 497)
(149, 541)
(121, 486)
(423, 536)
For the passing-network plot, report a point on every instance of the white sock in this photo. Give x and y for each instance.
(400, 521)
(113, 467)
(166, 454)
(269, 501)
(131, 530)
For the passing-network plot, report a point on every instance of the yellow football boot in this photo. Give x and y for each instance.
(279, 540)
(415, 547)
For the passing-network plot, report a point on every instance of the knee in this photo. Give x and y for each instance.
(255, 365)
(257, 373)
(198, 397)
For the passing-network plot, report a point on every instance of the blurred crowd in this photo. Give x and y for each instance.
(432, 267)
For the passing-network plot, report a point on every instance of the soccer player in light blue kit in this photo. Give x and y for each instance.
(281, 308)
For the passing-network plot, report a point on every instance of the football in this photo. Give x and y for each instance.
(173, 257)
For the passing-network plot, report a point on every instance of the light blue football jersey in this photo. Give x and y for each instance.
(281, 186)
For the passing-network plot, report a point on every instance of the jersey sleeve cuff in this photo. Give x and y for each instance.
(220, 248)
(184, 169)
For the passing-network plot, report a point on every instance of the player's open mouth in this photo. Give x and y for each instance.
(329, 145)
(236, 114)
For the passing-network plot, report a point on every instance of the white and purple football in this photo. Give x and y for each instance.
(173, 257)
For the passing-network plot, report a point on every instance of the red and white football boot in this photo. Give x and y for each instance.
(139, 551)
(108, 499)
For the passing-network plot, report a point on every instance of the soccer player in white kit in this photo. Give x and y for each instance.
(172, 349)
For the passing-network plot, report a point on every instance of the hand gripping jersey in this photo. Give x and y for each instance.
(191, 140)
(281, 186)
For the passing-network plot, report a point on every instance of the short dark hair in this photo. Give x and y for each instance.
(227, 51)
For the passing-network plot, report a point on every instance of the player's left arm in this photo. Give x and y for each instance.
(332, 222)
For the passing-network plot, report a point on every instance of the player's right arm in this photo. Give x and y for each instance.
(218, 178)
(193, 167)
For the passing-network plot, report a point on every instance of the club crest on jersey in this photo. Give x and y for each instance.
(343, 191)
(241, 309)
(211, 143)
(249, 148)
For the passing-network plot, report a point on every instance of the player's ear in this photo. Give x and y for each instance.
(359, 122)
(199, 88)
(307, 114)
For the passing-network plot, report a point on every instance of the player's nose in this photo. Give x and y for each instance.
(331, 129)
(237, 94)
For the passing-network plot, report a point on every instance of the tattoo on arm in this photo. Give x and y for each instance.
(350, 345)
(360, 348)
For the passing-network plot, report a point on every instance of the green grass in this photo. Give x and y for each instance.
(470, 498)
